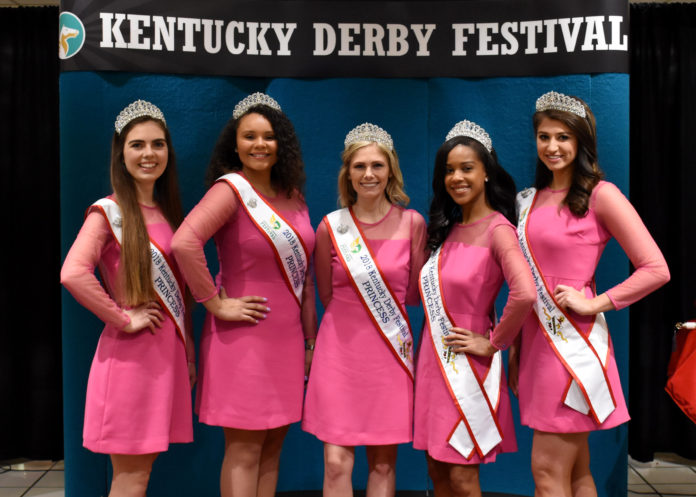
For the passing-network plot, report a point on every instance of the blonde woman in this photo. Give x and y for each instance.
(368, 255)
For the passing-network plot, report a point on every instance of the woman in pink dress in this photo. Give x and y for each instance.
(138, 392)
(475, 250)
(360, 390)
(260, 307)
(564, 226)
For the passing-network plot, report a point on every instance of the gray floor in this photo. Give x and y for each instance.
(667, 476)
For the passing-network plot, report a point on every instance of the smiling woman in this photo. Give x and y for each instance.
(138, 398)
(368, 256)
(261, 305)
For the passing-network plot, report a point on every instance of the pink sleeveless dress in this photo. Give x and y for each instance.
(476, 258)
(251, 376)
(358, 392)
(138, 393)
(568, 248)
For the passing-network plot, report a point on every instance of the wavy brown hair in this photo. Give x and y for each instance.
(586, 170)
(286, 174)
(136, 260)
(394, 191)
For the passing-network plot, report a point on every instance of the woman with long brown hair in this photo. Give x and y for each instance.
(568, 379)
(138, 393)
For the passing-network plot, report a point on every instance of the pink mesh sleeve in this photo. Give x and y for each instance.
(309, 309)
(418, 257)
(322, 263)
(215, 208)
(77, 274)
(522, 292)
(623, 222)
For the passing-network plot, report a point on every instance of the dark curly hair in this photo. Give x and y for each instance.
(444, 212)
(586, 170)
(286, 174)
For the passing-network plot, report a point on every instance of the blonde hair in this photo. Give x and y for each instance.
(395, 186)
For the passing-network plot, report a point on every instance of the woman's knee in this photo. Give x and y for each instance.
(464, 480)
(338, 463)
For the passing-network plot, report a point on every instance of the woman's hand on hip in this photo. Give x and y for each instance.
(249, 308)
(466, 341)
(148, 315)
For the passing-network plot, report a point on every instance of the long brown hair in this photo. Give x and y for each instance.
(136, 261)
(586, 171)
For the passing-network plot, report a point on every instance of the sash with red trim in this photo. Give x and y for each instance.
(477, 401)
(164, 281)
(289, 249)
(375, 293)
(584, 357)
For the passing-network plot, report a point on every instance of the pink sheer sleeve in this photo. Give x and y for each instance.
(77, 274)
(215, 208)
(623, 222)
(522, 292)
(418, 257)
(309, 309)
(322, 263)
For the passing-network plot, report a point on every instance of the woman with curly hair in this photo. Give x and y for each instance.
(368, 256)
(261, 304)
(138, 392)
(462, 408)
(568, 380)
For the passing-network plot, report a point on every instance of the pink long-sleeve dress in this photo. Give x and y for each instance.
(567, 249)
(476, 258)
(251, 376)
(138, 393)
(358, 392)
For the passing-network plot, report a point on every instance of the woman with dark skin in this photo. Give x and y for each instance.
(253, 359)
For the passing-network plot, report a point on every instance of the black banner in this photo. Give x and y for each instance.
(481, 38)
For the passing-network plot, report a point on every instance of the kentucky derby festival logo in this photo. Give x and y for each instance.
(274, 222)
(71, 35)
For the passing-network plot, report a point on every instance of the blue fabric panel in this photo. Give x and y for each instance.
(418, 113)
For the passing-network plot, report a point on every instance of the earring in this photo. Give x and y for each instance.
(486, 179)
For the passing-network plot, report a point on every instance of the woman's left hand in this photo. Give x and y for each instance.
(570, 298)
(462, 340)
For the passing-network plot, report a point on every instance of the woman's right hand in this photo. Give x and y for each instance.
(147, 315)
(250, 308)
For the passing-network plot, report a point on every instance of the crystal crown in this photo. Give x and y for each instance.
(250, 101)
(559, 101)
(471, 130)
(368, 132)
(139, 108)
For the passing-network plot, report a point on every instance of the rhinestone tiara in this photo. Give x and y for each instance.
(139, 108)
(471, 130)
(250, 101)
(559, 101)
(368, 132)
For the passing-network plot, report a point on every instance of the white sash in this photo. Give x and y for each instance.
(476, 401)
(584, 358)
(375, 294)
(163, 279)
(286, 243)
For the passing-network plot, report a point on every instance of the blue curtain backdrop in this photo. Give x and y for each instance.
(418, 113)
